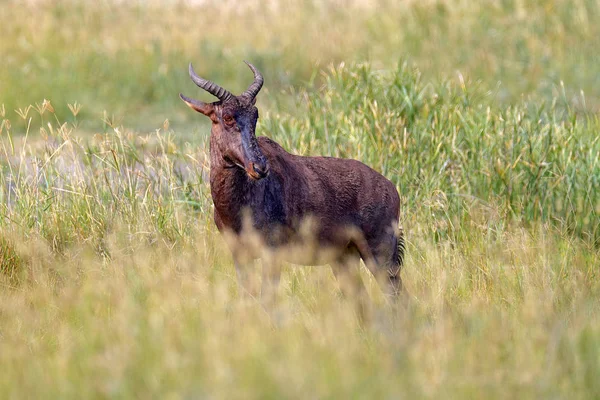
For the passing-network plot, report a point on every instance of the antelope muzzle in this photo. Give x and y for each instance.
(258, 170)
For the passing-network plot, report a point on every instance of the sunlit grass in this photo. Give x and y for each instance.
(114, 281)
(513, 317)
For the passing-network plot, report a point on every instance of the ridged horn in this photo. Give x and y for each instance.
(209, 86)
(255, 87)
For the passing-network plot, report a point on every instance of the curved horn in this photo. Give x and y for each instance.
(254, 88)
(209, 86)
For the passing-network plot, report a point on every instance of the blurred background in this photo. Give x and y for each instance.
(129, 59)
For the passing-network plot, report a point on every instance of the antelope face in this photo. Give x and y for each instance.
(236, 120)
(234, 124)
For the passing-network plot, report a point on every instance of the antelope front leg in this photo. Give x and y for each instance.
(271, 275)
(247, 278)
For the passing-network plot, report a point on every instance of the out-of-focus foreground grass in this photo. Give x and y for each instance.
(114, 281)
(130, 58)
(512, 318)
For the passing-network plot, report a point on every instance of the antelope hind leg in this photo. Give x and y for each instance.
(347, 273)
(386, 265)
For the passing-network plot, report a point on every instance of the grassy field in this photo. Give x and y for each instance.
(115, 283)
(131, 60)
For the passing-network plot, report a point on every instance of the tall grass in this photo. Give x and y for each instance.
(455, 161)
(115, 283)
(511, 319)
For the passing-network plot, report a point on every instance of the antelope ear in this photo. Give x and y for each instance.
(254, 100)
(201, 107)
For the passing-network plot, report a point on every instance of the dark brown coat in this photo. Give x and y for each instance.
(351, 210)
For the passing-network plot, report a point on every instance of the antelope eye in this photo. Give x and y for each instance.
(228, 119)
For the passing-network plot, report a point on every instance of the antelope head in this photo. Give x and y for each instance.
(233, 124)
